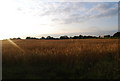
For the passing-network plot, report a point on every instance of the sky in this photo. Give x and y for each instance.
(21, 18)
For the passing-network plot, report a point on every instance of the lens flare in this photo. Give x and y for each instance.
(16, 45)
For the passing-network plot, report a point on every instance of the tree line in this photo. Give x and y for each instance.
(116, 35)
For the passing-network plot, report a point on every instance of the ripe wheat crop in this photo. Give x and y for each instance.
(60, 59)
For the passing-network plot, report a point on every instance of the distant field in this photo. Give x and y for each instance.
(61, 59)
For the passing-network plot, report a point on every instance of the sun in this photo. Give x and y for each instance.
(15, 23)
(18, 25)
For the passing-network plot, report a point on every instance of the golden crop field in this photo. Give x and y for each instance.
(61, 59)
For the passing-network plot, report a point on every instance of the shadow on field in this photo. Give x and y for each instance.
(68, 63)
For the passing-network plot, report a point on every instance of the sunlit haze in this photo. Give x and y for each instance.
(21, 18)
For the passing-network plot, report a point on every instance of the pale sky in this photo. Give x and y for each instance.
(21, 18)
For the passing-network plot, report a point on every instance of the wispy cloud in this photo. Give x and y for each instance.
(80, 13)
(104, 10)
(52, 16)
(71, 12)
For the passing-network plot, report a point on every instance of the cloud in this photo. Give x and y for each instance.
(62, 8)
(104, 10)
(109, 13)
(72, 12)
(81, 14)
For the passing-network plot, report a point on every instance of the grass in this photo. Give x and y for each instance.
(61, 59)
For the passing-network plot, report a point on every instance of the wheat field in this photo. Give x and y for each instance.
(61, 59)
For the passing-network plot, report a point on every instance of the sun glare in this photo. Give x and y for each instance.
(14, 44)
(19, 24)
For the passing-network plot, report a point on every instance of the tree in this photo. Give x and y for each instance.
(117, 34)
(18, 38)
(80, 36)
(76, 37)
(49, 37)
(107, 36)
(15, 38)
(64, 37)
(42, 37)
(28, 37)
(31, 38)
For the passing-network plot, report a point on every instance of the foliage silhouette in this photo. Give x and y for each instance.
(116, 35)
